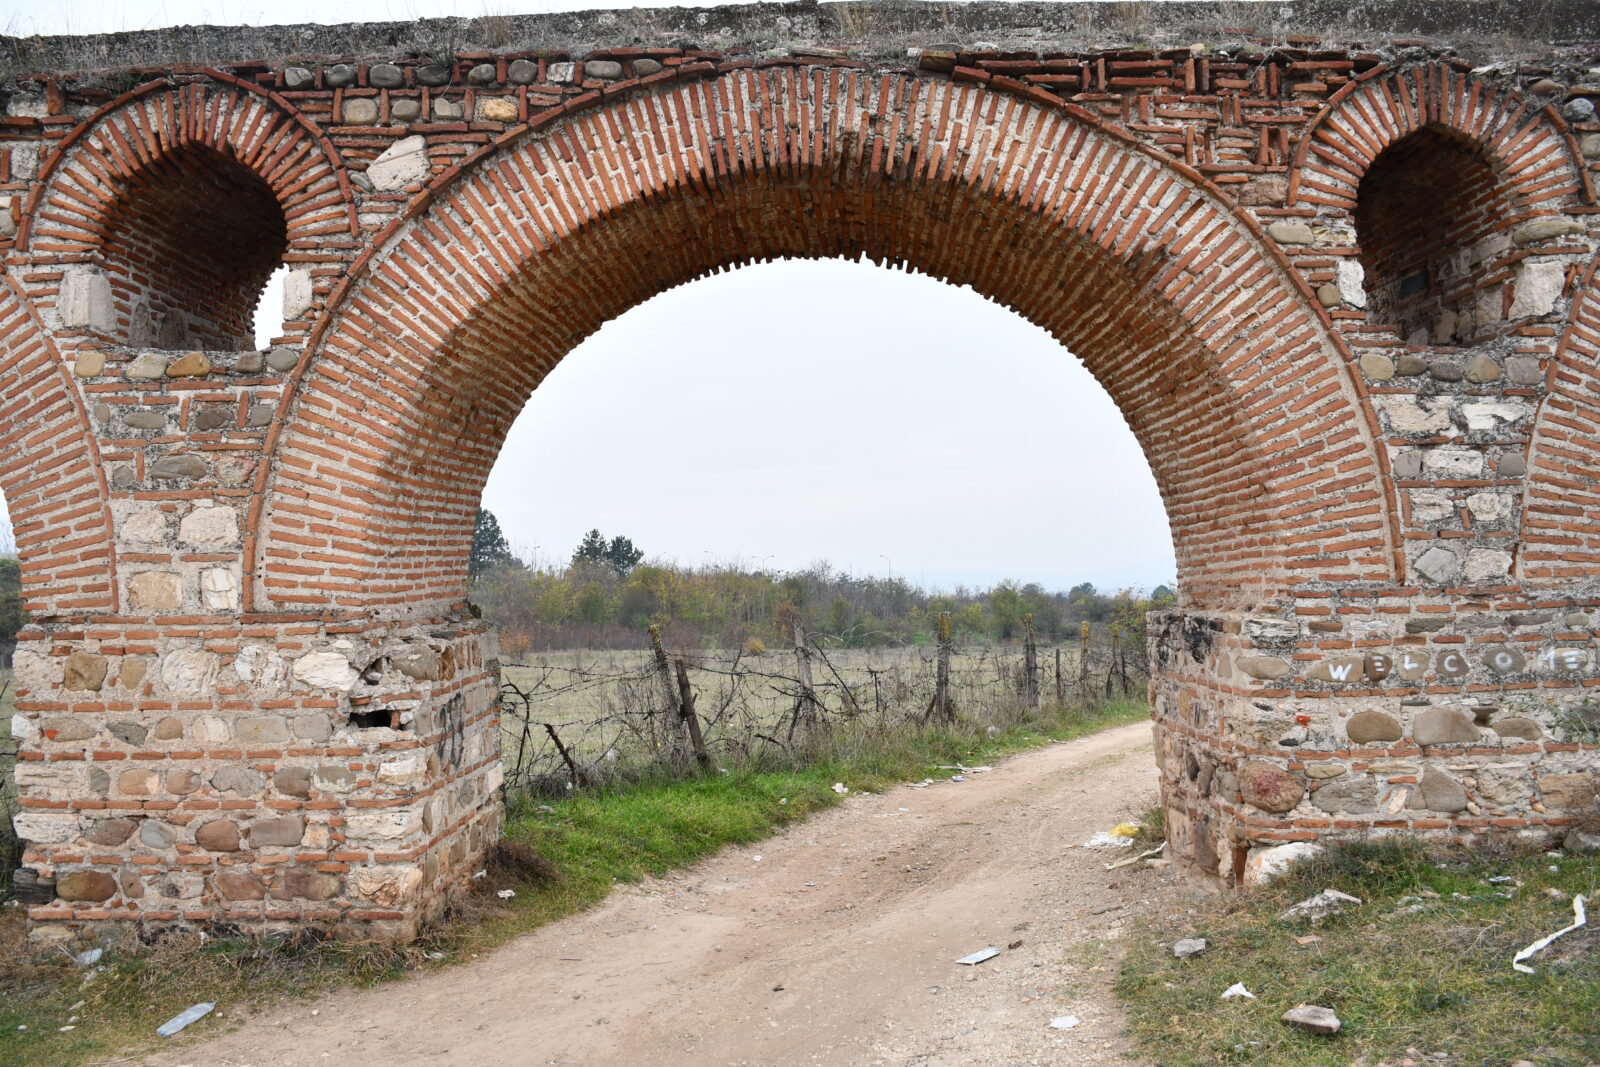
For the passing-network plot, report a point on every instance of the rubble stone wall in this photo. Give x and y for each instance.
(1342, 291)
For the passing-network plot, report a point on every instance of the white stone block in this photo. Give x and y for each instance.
(34, 672)
(66, 777)
(144, 526)
(1407, 415)
(210, 525)
(1487, 307)
(1430, 505)
(388, 825)
(1265, 864)
(212, 730)
(1487, 564)
(24, 163)
(1538, 287)
(298, 293)
(1489, 507)
(1488, 415)
(1351, 279)
(404, 771)
(86, 301)
(44, 828)
(325, 670)
(23, 728)
(403, 163)
(189, 672)
(219, 589)
(1449, 461)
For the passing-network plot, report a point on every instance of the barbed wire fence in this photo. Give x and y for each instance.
(578, 720)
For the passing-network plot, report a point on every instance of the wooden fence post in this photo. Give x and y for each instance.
(1030, 663)
(669, 692)
(692, 721)
(1083, 666)
(1061, 694)
(941, 680)
(805, 702)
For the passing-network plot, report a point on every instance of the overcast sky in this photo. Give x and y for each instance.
(936, 435)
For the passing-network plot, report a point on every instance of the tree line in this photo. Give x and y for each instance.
(606, 596)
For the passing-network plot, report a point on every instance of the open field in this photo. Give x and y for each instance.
(586, 716)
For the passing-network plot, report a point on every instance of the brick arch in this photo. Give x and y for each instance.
(188, 197)
(1528, 142)
(1246, 411)
(51, 473)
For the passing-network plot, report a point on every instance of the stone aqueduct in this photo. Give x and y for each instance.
(1343, 292)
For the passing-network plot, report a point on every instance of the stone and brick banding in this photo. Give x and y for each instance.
(1343, 295)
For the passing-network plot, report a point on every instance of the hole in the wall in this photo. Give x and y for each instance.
(376, 718)
(191, 245)
(1426, 215)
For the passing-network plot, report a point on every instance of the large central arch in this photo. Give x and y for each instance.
(1219, 361)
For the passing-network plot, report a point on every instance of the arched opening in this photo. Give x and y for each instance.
(1244, 412)
(189, 247)
(751, 448)
(1427, 213)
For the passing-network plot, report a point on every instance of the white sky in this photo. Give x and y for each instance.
(936, 435)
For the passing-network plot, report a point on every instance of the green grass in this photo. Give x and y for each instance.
(1437, 979)
(593, 840)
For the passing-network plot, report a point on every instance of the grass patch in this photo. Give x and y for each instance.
(1423, 965)
(559, 857)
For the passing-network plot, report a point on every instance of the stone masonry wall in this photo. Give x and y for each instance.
(1341, 291)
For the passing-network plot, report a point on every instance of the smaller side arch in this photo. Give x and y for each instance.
(1388, 103)
(187, 197)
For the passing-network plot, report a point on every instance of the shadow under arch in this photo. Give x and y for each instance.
(1252, 424)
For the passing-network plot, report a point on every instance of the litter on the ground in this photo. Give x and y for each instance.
(89, 958)
(1312, 1018)
(430, 955)
(1316, 908)
(1579, 918)
(1189, 946)
(184, 1018)
(1237, 989)
(1135, 859)
(1064, 1022)
(840, 788)
(1308, 939)
(957, 778)
(1102, 839)
(505, 894)
(480, 874)
(979, 956)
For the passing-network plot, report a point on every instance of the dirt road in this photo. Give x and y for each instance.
(833, 943)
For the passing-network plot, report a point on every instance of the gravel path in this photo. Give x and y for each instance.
(832, 942)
